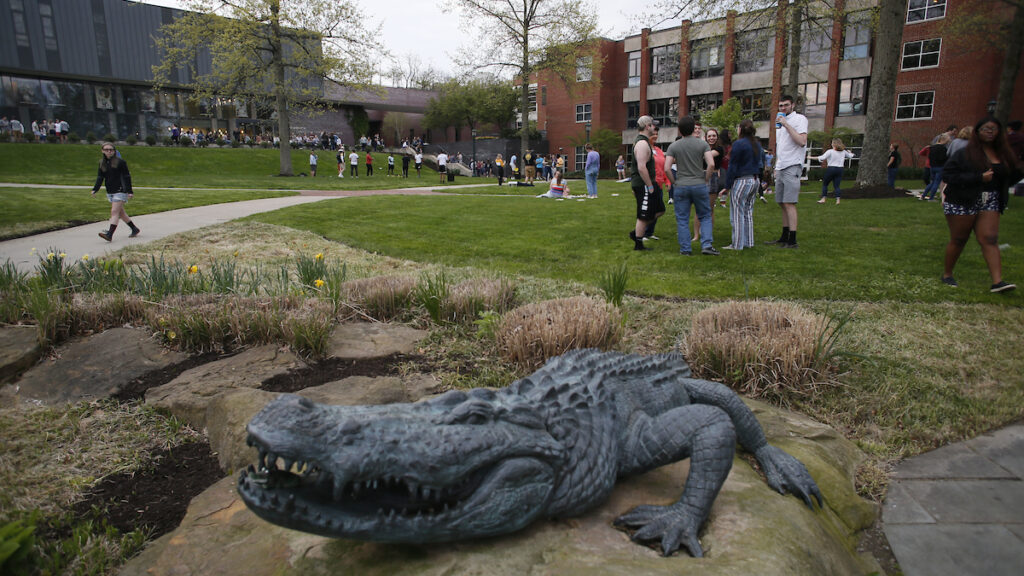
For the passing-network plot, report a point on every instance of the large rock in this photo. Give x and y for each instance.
(358, 341)
(19, 350)
(752, 530)
(188, 395)
(96, 367)
(229, 413)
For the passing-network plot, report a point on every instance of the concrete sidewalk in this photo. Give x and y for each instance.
(959, 510)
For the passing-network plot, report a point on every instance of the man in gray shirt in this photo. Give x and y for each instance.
(694, 164)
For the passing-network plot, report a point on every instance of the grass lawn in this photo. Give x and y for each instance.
(34, 210)
(861, 250)
(75, 164)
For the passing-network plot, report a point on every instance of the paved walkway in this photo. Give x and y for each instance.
(959, 510)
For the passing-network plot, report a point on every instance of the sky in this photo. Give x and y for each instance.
(420, 27)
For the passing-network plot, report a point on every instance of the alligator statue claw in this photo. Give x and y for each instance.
(486, 462)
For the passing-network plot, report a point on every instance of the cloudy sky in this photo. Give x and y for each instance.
(420, 27)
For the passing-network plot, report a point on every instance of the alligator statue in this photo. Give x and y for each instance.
(485, 462)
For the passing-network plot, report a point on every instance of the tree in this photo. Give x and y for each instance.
(882, 92)
(471, 104)
(287, 47)
(395, 124)
(529, 37)
(725, 117)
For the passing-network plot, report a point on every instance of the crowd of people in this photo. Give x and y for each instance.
(42, 130)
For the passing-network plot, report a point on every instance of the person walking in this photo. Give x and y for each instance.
(693, 162)
(369, 164)
(312, 163)
(590, 169)
(353, 164)
(978, 179)
(649, 203)
(790, 148)
(834, 160)
(442, 166)
(529, 167)
(113, 173)
(620, 168)
(499, 169)
(418, 157)
(893, 164)
(938, 153)
(741, 182)
(340, 157)
(391, 164)
(405, 165)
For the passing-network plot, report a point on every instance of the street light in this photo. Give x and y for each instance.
(473, 159)
(991, 107)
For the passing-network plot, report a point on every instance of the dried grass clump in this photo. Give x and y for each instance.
(531, 334)
(468, 299)
(763, 349)
(380, 297)
(98, 312)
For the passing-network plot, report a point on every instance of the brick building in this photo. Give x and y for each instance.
(696, 66)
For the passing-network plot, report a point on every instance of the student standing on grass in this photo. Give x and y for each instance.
(499, 169)
(405, 165)
(353, 160)
(341, 161)
(419, 161)
(391, 164)
(791, 147)
(649, 203)
(978, 179)
(833, 161)
(442, 165)
(893, 165)
(113, 171)
(312, 163)
(369, 164)
(694, 163)
(741, 182)
(590, 169)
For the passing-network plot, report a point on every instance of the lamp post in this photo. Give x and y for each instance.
(473, 159)
(991, 107)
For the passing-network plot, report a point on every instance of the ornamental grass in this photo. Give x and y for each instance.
(529, 335)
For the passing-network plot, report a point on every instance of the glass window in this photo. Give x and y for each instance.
(755, 50)
(632, 114)
(544, 95)
(921, 54)
(705, 103)
(816, 42)
(857, 36)
(26, 90)
(852, 96)
(915, 105)
(584, 69)
(665, 110)
(815, 97)
(633, 74)
(46, 20)
(665, 64)
(755, 104)
(20, 28)
(581, 157)
(583, 112)
(104, 97)
(921, 10)
(707, 57)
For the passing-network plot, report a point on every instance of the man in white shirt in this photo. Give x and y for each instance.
(353, 160)
(790, 148)
(514, 167)
(442, 165)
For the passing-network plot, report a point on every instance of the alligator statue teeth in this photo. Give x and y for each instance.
(485, 462)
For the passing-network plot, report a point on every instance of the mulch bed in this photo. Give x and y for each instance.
(878, 191)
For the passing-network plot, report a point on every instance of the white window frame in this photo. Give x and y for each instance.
(920, 55)
(579, 158)
(923, 7)
(584, 113)
(585, 69)
(914, 106)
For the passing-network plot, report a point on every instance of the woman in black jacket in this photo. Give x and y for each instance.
(114, 171)
(978, 178)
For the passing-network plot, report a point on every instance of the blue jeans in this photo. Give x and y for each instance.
(891, 177)
(933, 186)
(697, 195)
(591, 178)
(833, 174)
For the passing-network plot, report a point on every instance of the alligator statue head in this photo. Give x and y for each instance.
(457, 466)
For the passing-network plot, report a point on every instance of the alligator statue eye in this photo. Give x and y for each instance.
(473, 413)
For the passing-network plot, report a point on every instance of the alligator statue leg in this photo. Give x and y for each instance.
(703, 433)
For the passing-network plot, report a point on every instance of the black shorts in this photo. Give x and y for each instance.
(441, 169)
(648, 206)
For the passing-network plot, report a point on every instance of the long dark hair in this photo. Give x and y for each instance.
(749, 131)
(975, 149)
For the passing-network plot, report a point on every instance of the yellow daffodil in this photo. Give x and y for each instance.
(85, 257)
(236, 253)
(63, 255)
(171, 335)
(51, 256)
(319, 256)
(193, 269)
(319, 283)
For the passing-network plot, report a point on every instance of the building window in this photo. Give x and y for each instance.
(633, 78)
(815, 42)
(543, 95)
(583, 112)
(915, 105)
(852, 96)
(921, 10)
(20, 29)
(754, 50)
(755, 104)
(581, 158)
(584, 69)
(921, 54)
(704, 103)
(857, 36)
(815, 97)
(665, 64)
(707, 57)
(632, 114)
(665, 110)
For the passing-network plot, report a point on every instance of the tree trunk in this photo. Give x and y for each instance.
(797, 10)
(1011, 65)
(524, 97)
(882, 93)
(284, 125)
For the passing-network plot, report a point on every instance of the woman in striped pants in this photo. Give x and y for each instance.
(746, 160)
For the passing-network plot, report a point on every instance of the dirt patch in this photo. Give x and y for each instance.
(874, 542)
(136, 389)
(335, 369)
(877, 191)
(156, 497)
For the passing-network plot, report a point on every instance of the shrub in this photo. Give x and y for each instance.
(530, 334)
(52, 138)
(469, 299)
(5, 137)
(184, 141)
(763, 349)
(235, 143)
(168, 141)
(381, 297)
(264, 144)
(150, 140)
(90, 137)
(74, 137)
(220, 141)
(131, 140)
(110, 137)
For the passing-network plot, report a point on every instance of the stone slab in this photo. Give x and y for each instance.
(1005, 447)
(901, 508)
(952, 461)
(953, 550)
(358, 341)
(969, 501)
(96, 367)
(19, 350)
